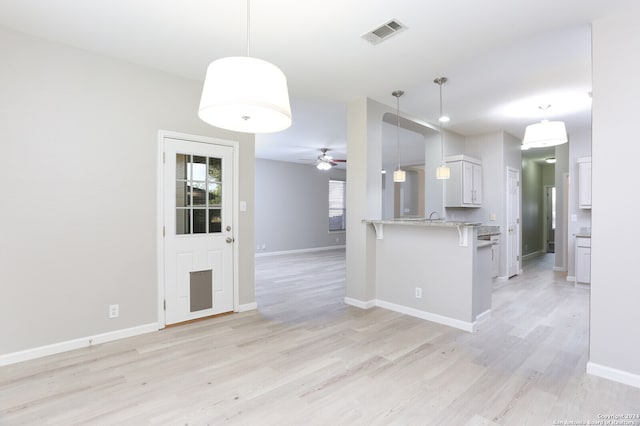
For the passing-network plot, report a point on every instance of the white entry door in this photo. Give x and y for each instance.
(198, 242)
(513, 222)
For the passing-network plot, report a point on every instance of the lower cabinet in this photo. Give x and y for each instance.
(583, 260)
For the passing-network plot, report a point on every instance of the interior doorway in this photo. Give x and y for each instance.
(550, 218)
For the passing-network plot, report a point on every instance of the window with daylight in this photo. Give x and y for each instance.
(337, 205)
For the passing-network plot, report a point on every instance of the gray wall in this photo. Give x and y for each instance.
(615, 340)
(292, 204)
(562, 206)
(532, 206)
(78, 176)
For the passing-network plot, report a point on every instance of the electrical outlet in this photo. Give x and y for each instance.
(114, 311)
(418, 293)
(492, 216)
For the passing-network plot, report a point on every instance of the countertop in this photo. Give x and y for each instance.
(422, 222)
(488, 230)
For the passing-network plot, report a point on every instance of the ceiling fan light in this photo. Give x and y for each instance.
(545, 133)
(245, 94)
(323, 165)
(399, 176)
(443, 172)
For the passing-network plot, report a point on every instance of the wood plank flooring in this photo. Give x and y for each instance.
(306, 358)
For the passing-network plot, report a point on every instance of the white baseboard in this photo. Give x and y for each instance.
(440, 319)
(308, 250)
(359, 303)
(571, 278)
(248, 307)
(83, 342)
(481, 318)
(560, 269)
(614, 374)
(533, 255)
(502, 278)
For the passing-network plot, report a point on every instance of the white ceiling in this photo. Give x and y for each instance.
(494, 52)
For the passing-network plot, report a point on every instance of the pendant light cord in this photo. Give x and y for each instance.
(398, 130)
(248, 25)
(440, 121)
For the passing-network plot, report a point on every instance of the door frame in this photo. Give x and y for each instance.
(518, 203)
(545, 212)
(162, 134)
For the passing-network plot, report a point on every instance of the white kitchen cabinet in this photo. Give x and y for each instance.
(583, 260)
(464, 187)
(584, 182)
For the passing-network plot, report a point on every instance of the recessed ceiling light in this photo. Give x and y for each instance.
(550, 160)
(444, 119)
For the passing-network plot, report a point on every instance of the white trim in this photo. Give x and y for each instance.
(559, 269)
(503, 278)
(614, 374)
(571, 278)
(82, 342)
(247, 307)
(359, 303)
(440, 319)
(308, 250)
(481, 318)
(162, 134)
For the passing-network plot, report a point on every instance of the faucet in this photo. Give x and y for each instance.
(431, 214)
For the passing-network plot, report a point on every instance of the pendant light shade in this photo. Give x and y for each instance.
(245, 94)
(399, 175)
(442, 172)
(545, 133)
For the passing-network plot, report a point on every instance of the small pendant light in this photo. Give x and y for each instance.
(399, 175)
(442, 172)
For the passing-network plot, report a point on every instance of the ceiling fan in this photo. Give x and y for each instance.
(325, 162)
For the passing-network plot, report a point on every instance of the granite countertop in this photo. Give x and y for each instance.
(488, 230)
(422, 222)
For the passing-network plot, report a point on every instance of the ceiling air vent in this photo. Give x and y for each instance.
(384, 31)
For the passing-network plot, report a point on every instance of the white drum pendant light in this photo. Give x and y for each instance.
(545, 133)
(245, 94)
(442, 172)
(399, 175)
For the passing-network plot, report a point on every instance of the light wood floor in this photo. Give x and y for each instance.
(306, 358)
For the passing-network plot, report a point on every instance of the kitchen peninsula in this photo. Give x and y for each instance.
(436, 270)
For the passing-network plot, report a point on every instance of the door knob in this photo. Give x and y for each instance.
(229, 240)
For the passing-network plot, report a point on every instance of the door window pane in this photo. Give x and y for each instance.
(215, 221)
(183, 221)
(182, 165)
(199, 171)
(199, 221)
(215, 169)
(199, 198)
(182, 195)
(215, 194)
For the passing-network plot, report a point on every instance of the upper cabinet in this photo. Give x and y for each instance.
(584, 182)
(464, 187)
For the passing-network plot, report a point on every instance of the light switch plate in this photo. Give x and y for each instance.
(243, 206)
